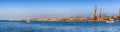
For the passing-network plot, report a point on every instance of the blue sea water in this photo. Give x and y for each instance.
(46, 26)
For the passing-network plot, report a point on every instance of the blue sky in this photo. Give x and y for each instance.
(22, 9)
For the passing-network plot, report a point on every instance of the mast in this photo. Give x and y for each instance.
(95, 11)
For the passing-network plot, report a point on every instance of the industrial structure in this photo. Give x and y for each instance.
(95, 11)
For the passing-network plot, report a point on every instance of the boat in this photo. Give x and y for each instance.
(28, 21)
(110, 21)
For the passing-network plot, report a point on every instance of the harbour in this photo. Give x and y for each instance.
(59, 15)
(62, 26)
(95, 18)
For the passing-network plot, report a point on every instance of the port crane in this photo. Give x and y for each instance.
(95, 11)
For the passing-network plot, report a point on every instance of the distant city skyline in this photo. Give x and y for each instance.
(22, 9)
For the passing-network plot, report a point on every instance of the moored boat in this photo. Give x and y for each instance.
(110, 21)
(28, 21)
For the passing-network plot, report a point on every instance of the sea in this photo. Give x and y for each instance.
(60, 26)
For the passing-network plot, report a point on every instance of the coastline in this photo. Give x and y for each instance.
(49, 21)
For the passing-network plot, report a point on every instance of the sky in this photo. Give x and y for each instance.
(24, 9)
